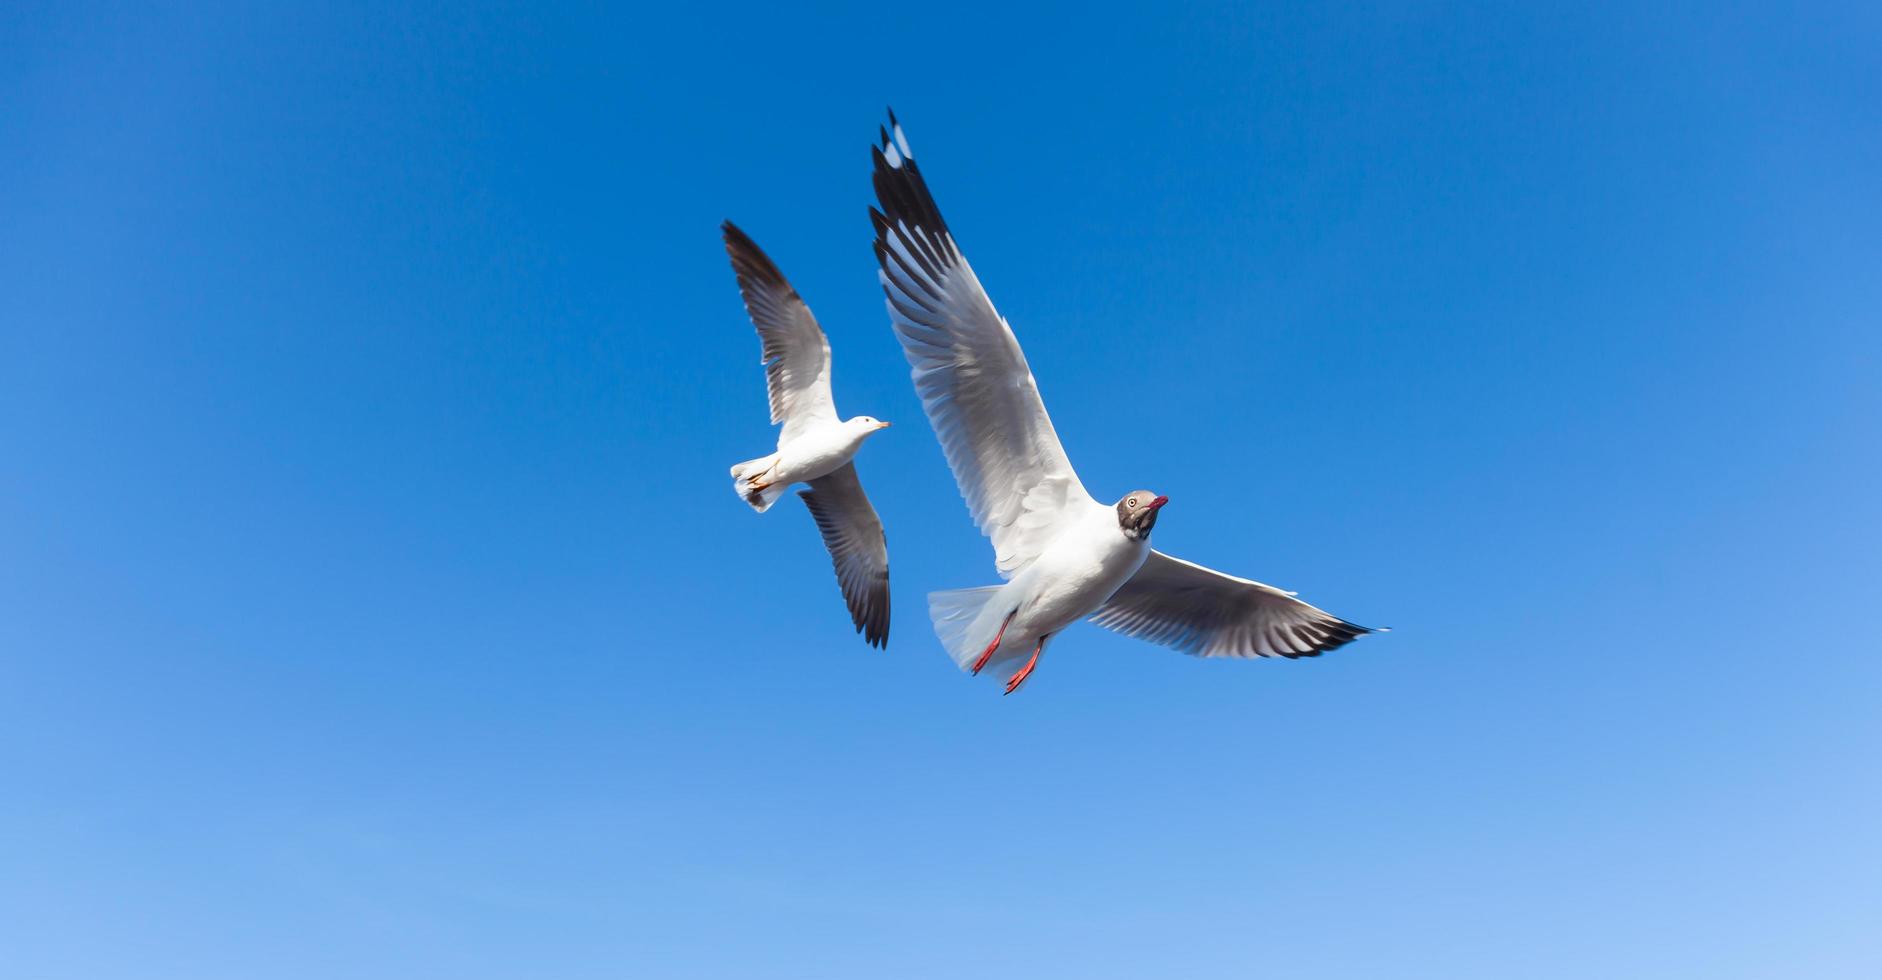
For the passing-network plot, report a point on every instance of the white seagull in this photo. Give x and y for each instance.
(814, 447)
(1065, 556)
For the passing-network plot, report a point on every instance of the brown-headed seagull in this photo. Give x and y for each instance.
(1064, 555)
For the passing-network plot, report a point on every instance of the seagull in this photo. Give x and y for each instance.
(1064, 555)
(814, 447)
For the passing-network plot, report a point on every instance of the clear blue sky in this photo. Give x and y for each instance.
(374, 603)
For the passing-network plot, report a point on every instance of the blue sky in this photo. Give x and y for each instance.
(374, 603)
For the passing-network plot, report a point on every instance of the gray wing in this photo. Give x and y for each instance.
(858, 549)
(1205, 613)
(972, 377)
(796, 354)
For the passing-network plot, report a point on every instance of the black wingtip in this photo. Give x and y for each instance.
(874, 627)
(750, 263)
(902, 194)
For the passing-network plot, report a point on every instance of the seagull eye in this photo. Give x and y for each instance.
(1131, 502)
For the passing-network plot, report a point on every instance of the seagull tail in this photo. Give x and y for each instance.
(745, 483)
(960, 622)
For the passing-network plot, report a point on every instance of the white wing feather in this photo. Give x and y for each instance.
(969, 370)
(796, 353)
(1204, 613)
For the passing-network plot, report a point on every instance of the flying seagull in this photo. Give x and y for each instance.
(814, 447)
(1064, 555)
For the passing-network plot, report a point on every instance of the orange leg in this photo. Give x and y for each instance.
(987, 654)
(1026, 671)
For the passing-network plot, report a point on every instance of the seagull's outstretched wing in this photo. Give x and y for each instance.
(858, 549)
(796, 355)
(1205, 613)
(973, 380)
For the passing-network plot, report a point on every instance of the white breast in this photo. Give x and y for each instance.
(816, 451)
(1087, 562)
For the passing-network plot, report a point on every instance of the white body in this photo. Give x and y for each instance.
(1084, 565)
(804, 454)
(817, 451)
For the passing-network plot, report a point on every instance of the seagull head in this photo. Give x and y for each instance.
(867, 423)
(1137, 512)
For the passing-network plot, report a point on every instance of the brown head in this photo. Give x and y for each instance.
(1137, 512)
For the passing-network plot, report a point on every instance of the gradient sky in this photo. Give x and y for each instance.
(374, 602)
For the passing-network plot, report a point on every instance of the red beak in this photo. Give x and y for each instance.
(1160, 501)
